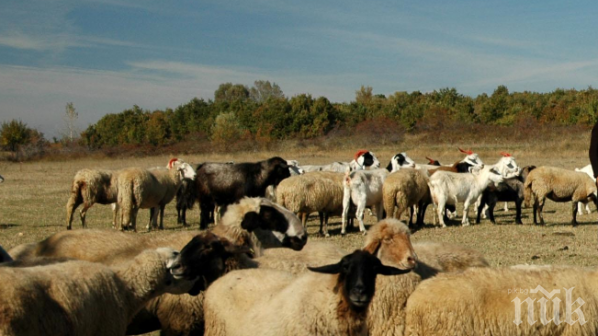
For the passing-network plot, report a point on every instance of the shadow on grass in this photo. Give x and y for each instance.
(8, 226)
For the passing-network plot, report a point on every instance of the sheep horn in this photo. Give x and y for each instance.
(171, 162)
(505, 154)
(359, 153)
(468, 152)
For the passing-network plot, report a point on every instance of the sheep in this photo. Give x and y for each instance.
(320, 192)
(491, 301)
(509, 190)
(294, 170)
(389, 240)
(254, 223)
(558, 185)
(405, 189)
(225, 184)
(84, 298)
(185, 198)
(142, 188)
(364, 188)
(4, 256)
(448, 187)
(588, 170)
(471, 161)
(333, 303)
(432, 164)
(91, 186)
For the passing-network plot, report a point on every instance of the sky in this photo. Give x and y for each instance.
(105, 56)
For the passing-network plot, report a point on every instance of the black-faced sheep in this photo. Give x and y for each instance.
(333, 303)
(506, 301)
(84, 298)
(558, 185)
(225, 184)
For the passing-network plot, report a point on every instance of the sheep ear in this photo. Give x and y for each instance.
(251, 221)
(388, 270)
(328, 269)
(373, 247)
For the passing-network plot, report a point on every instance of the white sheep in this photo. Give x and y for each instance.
(558, 185)
(588, 170)
(364, 189)
(143, 189)
(269, 302)
(405, 189)
(451, 188)
(506, 301)
(84, 298)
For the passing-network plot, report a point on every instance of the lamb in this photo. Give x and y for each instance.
(558, 185)
(320, 192)
(142, 189)
(254, 223)
(448, 187)
(588, 170)
(333, 303)
(509, 190)
(4, 256)
(226, 184)
(490, 301)
(91, 186)
(84, 298)
(405, 189)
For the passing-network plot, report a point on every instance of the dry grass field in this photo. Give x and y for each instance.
(34, 195)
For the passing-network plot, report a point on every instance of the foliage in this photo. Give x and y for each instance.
(14, 134)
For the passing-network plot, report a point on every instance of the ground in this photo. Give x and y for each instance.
(34, 195)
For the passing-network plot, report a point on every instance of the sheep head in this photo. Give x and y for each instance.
(357, 277)
(390, 241)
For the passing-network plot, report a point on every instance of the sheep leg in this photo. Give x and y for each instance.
(479, 209)
(518, 211)
(579, 209)
(574, 208)
(114, 214)
(82, 215)
(360, 214)
(326, 217)
(465, 220)
(303, 216)
(440, 208)
(162, 217)
(74, 201)
(321, 216)
(204, 213)
(346, 206)
(421, 213)
(538, 206)
(506, 207)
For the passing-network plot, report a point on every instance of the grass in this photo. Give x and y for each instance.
(34, 195)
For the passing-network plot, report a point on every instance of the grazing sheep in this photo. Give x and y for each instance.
(558, 185)
(91, 186)
(4, 257)
(450, 188)
(226, 184)
(320, 192)
(486, 301)
(508, 190)
(268, 302)
(84, 298)
(405, 189)
(588, 170)
(142, 189)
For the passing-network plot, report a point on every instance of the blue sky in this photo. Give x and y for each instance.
(107, 55)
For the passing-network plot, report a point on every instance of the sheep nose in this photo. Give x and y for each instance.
(411, 261)
(358, 289)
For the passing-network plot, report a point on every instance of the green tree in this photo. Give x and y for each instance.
(228, 92)
(226, 129)
(13, 134)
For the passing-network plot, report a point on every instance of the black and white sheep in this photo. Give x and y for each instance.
(558, 185)
(221, 185)
(333, 303)
(84, 298)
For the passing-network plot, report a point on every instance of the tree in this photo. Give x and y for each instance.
(70, 121)
(226, 129)
(228, 92)
(263, 90)
(13, 134)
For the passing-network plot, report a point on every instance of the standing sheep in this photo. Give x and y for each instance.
(268, 302)
(588, 170)
(91, 186)
(83, 298)
(558, 185)
(185, 198)
(405, 189)
(226, 184)
(142, 189)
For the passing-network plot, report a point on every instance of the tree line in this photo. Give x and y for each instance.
(263, 113)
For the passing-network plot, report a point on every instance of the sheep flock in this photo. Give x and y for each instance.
(247, 266)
